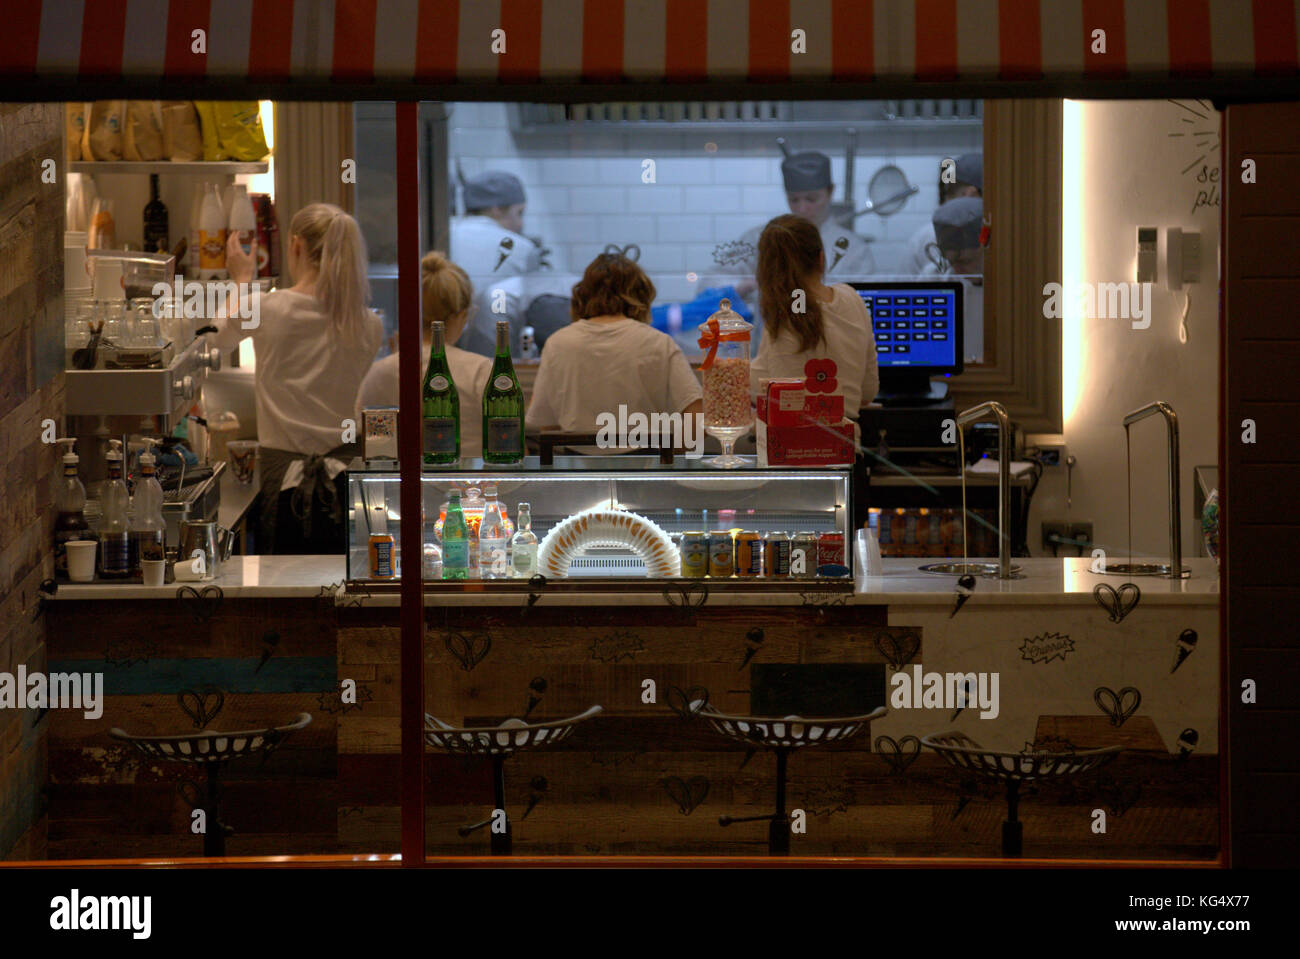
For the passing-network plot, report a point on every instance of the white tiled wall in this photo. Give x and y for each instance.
(584, 189)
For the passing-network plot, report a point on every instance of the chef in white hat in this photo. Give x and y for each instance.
(922, 252)
(957, 230)
(489, 245)
(808, 191)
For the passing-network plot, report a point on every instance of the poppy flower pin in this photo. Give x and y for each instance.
(819, 376)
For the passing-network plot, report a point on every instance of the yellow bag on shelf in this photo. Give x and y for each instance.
(239, 125)
(211, 138)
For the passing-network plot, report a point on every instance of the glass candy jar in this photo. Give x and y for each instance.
(728, 414)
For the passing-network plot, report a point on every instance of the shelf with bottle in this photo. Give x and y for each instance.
(657, 503)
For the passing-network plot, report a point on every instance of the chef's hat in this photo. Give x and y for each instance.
(806, 171)
(970, 169)
(493, 188)
(957, 223)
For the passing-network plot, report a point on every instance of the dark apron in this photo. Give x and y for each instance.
(311, 517)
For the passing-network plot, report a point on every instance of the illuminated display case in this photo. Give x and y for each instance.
(687, 496)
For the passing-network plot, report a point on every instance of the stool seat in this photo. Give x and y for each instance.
(209, 746)
(1014, 768)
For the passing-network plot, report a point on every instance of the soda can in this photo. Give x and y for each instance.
(722, 561)
(695, 555)
(805, 544)
(830, 551)
(381, 556)
(749, 554)
(777, 549)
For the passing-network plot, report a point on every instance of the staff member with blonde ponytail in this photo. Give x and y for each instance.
(446, 294)
(833, 324)
(313, 344)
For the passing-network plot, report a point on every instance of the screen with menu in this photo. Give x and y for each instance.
(915, 324)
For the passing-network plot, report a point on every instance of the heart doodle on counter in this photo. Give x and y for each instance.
(688, 794)
(202, 603)
(1117, 603)
(469, 652)
(189, 791)
(687, 702)
(1119, 707)
(898, 646)
(896, 757)
(202, 705)
(687, 597)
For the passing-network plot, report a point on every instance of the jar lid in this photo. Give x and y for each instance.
(727, 319)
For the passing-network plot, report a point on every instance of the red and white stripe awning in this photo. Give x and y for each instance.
(441, 41)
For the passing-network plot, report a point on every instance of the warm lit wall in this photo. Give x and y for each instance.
(31, 390)
(1124, 168)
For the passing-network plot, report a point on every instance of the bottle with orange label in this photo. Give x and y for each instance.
(212, 236)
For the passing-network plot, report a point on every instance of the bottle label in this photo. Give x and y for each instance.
(504, 435)
(503, 382)
(455, 554)
(440, 435)
(212, 250)
(439, 383)
(524, 560)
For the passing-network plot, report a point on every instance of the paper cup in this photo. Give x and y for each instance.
(155, 571)
(81, 560)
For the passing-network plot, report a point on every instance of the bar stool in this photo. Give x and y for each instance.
(499, 743)
(782, 736)
(1013, 769)
(212, 750)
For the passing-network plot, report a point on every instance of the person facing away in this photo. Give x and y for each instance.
(825, 333)
(610, 355)
(313, 343)
(922, 249)
(489, 245)
(957, 228)
(446, 294)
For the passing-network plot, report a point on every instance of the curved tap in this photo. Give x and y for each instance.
(999, 412)
(1175, 500)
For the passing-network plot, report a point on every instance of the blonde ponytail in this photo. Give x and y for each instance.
(446, 293)
(337, 249)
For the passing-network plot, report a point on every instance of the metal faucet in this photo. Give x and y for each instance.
(1004, 475)
(1175, 507)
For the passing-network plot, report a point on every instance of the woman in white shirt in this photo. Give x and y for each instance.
(313, 344)
(610, 356)
(833, 327)
(446, 294)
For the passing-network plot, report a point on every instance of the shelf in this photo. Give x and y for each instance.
(198, 168)
(923, 125)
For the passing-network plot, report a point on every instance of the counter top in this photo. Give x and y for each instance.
(1042, 581)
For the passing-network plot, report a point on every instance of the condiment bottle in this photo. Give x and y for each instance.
(148, 528)
(69, 510)
(212, 237)
(114, 532)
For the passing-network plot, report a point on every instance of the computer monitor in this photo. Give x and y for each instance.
(918, 329)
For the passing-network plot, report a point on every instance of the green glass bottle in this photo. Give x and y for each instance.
(503, 407)
(455, 540)
(441, 405)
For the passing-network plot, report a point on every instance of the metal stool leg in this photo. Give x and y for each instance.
(500, 842)
(214, 837)
(778, 830)
(1012, 829)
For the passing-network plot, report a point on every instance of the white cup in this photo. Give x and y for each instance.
(155, 571)
(81, 560)
(867, 550)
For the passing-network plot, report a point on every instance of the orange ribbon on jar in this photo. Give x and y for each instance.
(712, 336)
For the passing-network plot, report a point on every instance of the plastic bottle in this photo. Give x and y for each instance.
(455, 540)
(196, 214)
(148, 528)
(242, 219)
(114, 531)
(212, 237)
(492, 558)
(523, 545)
(69, 509)
(228, 199)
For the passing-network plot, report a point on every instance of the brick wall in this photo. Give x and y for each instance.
(31, 285)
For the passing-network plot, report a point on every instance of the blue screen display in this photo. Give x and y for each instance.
(913, 326)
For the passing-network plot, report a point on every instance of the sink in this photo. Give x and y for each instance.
(1141, 569)
(965, 569)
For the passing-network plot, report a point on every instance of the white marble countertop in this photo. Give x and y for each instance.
(1043, 581)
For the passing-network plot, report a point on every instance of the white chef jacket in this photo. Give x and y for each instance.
(972, 307)
(489, 253)
(915, 259)
(848, 256)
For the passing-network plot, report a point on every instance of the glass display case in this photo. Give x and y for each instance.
(636, 520)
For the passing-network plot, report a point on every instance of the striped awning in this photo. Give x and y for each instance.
(486, 41)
